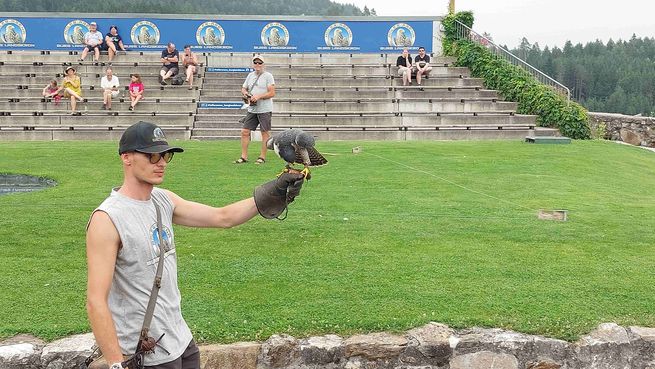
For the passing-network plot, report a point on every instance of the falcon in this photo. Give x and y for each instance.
(296, 146)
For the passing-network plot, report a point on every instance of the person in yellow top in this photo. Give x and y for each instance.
(73, 88)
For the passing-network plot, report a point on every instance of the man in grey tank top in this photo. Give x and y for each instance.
(123, 250)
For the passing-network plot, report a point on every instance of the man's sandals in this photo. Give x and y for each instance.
(241, 160)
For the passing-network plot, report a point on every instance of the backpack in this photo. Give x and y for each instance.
(178, 79)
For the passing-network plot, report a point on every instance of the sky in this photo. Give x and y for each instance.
(546, 22)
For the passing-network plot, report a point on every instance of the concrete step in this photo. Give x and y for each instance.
(74, 55)
(296, 82)
(489, 132)
(96, 105)
(244, 59)
(99, 120)
(46, 133)
(384, 106)
(177, 92)
(87, 78)
(381, 119)
(338, 71)
(82, 70)
(352, 93)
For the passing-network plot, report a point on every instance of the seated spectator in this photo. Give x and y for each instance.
(190, 63)
(51, 90)
(109, 84)
(422, 65)
(169, 57)
(92, 42)
(404, 64)
(136, 91)
(73, 88)
(113, 42)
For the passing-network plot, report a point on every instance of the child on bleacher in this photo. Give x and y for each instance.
(52, 90)
(136, 90)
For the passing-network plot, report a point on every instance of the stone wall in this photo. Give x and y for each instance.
(433, 346)
(639, 131)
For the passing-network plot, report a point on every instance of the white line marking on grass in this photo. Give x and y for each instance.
(451, 182)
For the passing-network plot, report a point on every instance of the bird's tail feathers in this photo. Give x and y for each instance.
(315, 158)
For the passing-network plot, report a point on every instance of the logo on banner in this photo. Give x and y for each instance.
(400, 35)
(338, 35)
(74, 32)
(210, 34)
(12, 32)
(144, 33)
(275, 34)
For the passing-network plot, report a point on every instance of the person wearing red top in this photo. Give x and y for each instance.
(136, 90)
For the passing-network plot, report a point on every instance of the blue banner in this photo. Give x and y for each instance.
(232, 35)
(227, 70)
(220, 105)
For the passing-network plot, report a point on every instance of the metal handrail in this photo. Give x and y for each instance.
(464, 32)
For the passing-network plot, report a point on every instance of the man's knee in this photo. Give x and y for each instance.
(245, 133)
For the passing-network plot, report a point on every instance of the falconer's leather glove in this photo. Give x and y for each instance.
(272, 197)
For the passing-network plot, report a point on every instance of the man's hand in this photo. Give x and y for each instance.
(272, 197)
(290, 184)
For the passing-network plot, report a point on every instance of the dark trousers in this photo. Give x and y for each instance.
(190, 359)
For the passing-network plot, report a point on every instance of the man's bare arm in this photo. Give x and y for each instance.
(102, 245)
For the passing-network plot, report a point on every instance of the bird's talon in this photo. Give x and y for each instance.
(306, 174)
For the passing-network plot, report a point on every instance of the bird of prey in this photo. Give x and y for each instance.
(144, 37)
(402, 39)
(338, 39)
(78, 36)
(11, 36)
(296, 146)
(275, 39)
(210, 38)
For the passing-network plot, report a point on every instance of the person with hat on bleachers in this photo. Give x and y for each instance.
(113, 42)
(258, 91)
(92, 42)
(109, 84)
(404, 64)
(73, 88)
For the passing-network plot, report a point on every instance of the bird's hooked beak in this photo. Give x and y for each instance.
(269, 143)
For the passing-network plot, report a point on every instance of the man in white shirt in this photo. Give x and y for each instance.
(92, 41)
(109, 84)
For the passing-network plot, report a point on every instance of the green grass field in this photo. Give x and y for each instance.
(397, 236)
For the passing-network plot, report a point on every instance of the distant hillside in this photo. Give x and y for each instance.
(617, 77)
(250, 7)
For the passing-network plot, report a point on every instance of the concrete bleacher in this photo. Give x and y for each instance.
(26, 115)
(360, 96)
(335, 96)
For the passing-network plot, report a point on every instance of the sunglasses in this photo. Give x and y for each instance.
(155, 158)
(258, 62)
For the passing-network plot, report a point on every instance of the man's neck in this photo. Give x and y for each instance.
(135, 189)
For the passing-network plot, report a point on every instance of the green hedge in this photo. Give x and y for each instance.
(516, 84)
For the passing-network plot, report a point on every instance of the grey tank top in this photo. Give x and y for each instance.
(136, 265)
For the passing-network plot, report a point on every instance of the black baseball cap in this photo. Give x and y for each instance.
(145, 137)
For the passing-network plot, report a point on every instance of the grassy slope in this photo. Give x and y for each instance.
(369, 245)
